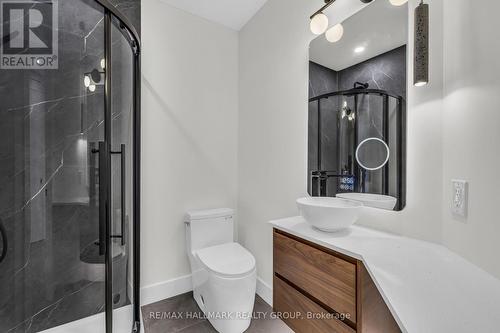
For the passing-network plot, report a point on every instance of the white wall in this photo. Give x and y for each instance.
(194, 155)
(273, 129)
(472, 127)
(421, 217)
(190, 119)
(273, 122)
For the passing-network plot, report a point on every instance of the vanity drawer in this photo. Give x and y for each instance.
(328, 279)
(289, 302)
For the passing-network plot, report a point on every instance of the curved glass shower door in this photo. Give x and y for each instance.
(67, 138)
(344, 125)
(122, 124)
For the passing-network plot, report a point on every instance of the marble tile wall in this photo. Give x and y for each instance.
(384, 72)
(322, 81)
(48, 121)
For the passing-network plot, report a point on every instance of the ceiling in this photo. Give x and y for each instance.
(233, 14)
(379, 27)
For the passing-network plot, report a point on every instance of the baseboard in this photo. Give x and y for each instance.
(166, 289)
(265, 291)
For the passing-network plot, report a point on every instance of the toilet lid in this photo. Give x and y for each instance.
(227, 259)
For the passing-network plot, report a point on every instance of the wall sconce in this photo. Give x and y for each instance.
(421, 49)
(94, 78)
(319, 23)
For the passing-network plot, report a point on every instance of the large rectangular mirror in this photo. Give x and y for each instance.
(357, 109)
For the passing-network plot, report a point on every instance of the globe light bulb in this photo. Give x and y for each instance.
(86, 81)
(319, 24)
(398, 2)
(92, 88)
(335, 33)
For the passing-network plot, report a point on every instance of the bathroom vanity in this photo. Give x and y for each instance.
(334, 292)
(362, 280)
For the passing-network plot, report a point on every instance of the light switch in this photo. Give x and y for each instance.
(459, 197)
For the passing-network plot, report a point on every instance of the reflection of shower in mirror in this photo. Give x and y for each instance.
(357, 108)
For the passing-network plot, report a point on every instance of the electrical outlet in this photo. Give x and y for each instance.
(459, 197)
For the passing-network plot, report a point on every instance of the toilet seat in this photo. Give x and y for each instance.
(227, 260)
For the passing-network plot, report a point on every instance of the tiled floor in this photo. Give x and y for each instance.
(155, 320)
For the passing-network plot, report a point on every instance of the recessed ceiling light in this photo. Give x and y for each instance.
(359, 49)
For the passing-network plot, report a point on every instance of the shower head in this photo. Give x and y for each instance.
(360, 85)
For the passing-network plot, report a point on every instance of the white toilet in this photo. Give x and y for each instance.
(223, 272)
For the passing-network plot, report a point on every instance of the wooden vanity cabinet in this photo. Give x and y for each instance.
(319, 290)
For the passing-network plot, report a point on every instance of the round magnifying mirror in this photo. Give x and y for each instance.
(372, 154)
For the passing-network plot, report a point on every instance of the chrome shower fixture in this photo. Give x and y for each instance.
(319, 21)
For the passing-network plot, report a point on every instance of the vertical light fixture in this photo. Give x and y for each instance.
(319, 22)
(421, 49)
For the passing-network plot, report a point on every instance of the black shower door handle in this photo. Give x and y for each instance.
(123, 194)
(3, 234)
(104, 183)
(103, 193)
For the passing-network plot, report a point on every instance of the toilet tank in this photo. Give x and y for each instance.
(210, 227)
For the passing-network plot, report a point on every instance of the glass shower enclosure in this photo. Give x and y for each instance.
(349, 126)
(69, 167)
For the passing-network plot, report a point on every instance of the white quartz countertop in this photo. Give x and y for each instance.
(427, 287)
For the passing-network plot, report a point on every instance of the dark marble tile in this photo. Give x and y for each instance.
(386, 71)
(322, 80)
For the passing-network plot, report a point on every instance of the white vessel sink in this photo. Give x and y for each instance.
(329, 214)
(371, 200)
